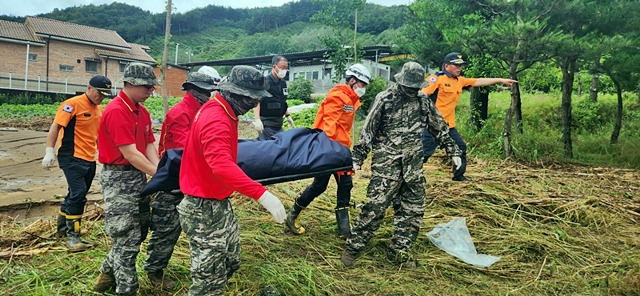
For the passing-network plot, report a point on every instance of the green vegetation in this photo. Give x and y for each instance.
(569, 230)
(301, 89)
(539, 143)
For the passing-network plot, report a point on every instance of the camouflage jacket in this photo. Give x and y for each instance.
(394, 125)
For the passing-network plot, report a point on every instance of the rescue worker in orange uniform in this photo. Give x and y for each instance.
(444, 89)
(335, 117)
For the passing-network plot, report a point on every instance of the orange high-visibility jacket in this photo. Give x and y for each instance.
(337, 112)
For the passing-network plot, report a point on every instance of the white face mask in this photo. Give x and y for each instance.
(282, 73)
(360, 91)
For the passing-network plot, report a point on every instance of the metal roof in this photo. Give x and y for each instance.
(295, 59)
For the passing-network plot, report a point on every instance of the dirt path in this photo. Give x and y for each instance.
(26, 189)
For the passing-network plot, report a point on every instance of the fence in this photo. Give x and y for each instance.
(38, 82)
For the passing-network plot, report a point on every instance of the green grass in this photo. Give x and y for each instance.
(570, 230)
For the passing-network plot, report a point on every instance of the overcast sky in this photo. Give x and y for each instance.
(34, 7)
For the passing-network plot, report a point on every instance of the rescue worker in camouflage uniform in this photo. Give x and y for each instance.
(209, 175)
(392, 131)
(165, 225)
(125, 142)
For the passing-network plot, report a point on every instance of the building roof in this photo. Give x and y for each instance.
(295, 59)
(17, 31)
(69, 31)
(135, 53)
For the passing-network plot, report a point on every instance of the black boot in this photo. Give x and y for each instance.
(62, 225)
(293, 219)
(73, 234)
(342, 217)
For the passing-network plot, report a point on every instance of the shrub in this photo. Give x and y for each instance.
(301, 89)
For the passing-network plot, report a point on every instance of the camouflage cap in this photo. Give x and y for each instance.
(139, 74)
(199, 80)
(411, 75)
(246, 81)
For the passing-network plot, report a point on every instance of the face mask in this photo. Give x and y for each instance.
(239, 104)
(282, 73)
(360, 91)
(409, 92)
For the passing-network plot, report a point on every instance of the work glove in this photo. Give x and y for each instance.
(49, 158)
(355, 166)
(257, 124)
(457, 161)
(289, 120)
(273, 205)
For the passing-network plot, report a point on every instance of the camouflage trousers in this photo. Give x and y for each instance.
(165, 231)
(214, 243)
(127, 218)
(408, 200)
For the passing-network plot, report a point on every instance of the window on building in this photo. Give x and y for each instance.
(295, 75)
(90, 66)
(327, 74)
(33, 57)
(66, 68)
(315, 75)
(122, 66)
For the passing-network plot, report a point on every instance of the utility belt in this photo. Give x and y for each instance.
(119, 167)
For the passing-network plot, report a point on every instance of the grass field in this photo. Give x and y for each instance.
(561, 227)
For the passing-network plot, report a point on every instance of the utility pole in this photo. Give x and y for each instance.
(177, 44)
(165, 54)
(355, 32)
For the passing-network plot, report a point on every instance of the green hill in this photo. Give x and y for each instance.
(217, 32)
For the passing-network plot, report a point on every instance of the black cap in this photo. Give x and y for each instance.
(102, 84)
(454, 58)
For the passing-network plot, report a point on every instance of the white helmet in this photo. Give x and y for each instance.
(211, 72)
(360, 72)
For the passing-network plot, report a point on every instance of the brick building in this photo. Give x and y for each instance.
(57, 56)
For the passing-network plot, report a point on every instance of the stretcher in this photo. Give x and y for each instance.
(295, 177)
(294, 154)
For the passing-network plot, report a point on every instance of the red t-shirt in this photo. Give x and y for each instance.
(177, 123)
(208, 168)
(123, 122)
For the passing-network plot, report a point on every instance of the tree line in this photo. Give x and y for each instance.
(507, 38)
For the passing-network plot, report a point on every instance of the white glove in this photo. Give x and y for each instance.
(289, 120)
(257, 124)
(457, 161)
(355, 166)
(273, 205)
(49, 158)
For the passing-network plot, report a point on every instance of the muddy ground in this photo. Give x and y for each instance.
(27, 190)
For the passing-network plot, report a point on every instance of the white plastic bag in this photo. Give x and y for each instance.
(454, 238)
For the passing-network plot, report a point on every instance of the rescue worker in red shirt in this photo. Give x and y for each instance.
(128, 155)
(444, 89)
(165, 225)
(75, 129)
(209, 175)
(335, 117)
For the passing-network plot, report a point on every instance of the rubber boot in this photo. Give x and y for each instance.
(159, 280)
(104, 282)
(293, 219)
(73, 234)
(342, 217)
(62, 225)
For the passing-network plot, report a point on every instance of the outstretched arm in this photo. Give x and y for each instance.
(492, 81)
